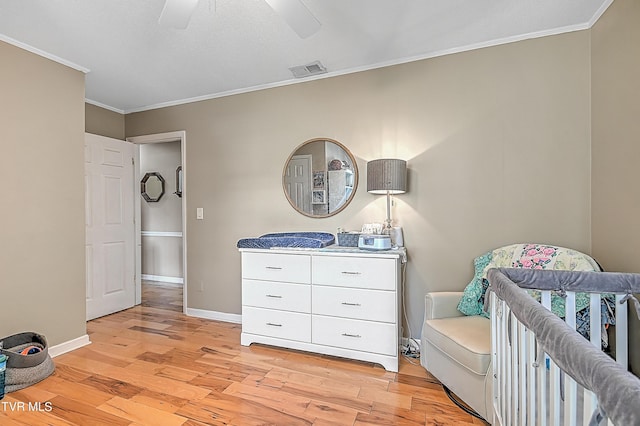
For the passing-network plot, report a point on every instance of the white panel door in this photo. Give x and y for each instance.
(297, 180)
(110, 234)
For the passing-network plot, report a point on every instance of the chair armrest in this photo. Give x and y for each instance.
(443, 304)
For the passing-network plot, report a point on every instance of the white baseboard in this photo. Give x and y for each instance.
(213, 315)
(160, 234)
(69, 346)
(161, 278)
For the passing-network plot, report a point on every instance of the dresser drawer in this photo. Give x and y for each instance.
(280, 324)
(284, 296)
(343, 271)
(359, 335)
(374, 305)
(291, 268)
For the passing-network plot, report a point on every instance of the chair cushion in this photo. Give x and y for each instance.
(467, 340)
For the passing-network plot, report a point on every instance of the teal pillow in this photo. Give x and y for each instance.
(470, 303)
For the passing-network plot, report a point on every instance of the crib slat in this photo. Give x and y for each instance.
(595, 334)
(570, 309)
(522, 367)
(497, 350)
(621, 333)
(590, 404)
(570, 385)
(493, 317)
(545, 299)
(513, 363)
(543, 393)
(570, 401)
(503, 363)
(546, 393)
(554, 393)
(531, 376)
(506, 372)
(509, 367)
(595, 328)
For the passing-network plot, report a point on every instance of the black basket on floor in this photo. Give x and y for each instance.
(25, 368)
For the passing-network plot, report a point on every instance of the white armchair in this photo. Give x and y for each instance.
(456, 349)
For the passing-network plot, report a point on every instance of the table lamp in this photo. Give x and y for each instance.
(387, 176)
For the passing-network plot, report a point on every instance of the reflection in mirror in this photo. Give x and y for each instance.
(320, 177)
(152, 187)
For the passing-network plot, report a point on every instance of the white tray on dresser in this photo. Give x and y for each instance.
(334, 301)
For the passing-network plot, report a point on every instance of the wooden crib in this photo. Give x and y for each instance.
(545, 372)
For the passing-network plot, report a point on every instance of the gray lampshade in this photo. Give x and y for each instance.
(387, 174)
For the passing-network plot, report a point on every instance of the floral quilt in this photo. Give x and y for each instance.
(535, 256)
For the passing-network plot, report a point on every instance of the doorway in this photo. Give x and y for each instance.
(161, 223)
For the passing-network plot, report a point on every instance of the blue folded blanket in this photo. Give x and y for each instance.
(288, 239)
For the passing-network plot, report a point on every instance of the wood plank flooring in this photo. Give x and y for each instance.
(152, 365)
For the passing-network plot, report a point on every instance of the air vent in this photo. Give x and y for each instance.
(313, 68)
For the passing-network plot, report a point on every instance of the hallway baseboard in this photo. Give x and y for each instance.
(163, 279)
(213, 315)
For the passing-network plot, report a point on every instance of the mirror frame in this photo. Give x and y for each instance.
(143, 187)
(355, 178)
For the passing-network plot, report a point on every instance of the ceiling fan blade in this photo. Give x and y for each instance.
(296, 14)
(176, 13)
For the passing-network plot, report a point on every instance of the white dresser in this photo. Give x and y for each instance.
(341, 302)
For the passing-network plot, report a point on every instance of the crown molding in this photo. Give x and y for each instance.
(44, 54)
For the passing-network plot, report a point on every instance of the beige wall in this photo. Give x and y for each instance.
(497, 142)
(615, 40)
(42, 266)
(616, 137)
(103, 122)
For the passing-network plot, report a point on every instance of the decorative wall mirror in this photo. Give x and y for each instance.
(320, 177)
(152, 187)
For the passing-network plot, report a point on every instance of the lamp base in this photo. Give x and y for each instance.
(387, 226)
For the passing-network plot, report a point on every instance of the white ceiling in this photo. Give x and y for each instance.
(232, 46)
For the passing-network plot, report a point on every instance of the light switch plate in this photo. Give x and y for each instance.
(200, 213)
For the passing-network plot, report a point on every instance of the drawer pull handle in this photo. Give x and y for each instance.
(351, 335)
(274, 325)
(350, 273)
(351, 304)
(274, 296)
(275, 268)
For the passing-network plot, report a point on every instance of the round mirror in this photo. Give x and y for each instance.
(152, 187)
(320, 177)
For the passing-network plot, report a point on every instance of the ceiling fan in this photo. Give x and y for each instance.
(176, 14)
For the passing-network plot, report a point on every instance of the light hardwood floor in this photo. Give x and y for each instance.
(152, 365)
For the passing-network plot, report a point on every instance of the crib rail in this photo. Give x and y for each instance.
(545, 373)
